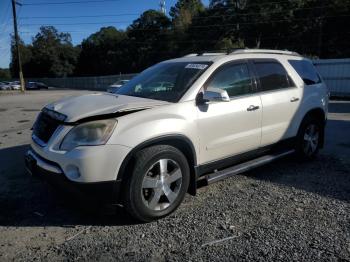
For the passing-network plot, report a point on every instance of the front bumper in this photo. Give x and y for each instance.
(85, 164)
(107, 191)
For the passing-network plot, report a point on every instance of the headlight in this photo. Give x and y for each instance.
(88, 134)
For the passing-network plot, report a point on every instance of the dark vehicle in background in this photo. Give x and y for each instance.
(36, 86)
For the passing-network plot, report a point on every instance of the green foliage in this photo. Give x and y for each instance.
(103, 53)
(315, 28)
(51, 54)
(5, 74)
(149, 39)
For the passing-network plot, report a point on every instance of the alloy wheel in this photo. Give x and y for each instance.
(161, 184)
(311, 139)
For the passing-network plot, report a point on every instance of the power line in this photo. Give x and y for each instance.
(180, 26)
(194, 18)
(83, 23)
(259, 13)
(254, 4)
(70, 2)
(78, 16)
(5, 20)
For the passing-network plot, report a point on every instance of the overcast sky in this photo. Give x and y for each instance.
(69, 17)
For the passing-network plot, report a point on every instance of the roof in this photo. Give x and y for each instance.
(213, 56)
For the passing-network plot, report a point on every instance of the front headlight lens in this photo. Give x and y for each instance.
(89, 134)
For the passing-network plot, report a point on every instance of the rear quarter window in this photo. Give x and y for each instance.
(272, 75)
(306, 71)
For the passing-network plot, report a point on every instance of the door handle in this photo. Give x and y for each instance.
(294, 99)
(252, 108)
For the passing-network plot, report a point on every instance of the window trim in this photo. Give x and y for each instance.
(257, 78)
(229, 63)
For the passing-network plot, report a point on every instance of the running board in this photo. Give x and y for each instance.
(240, 168)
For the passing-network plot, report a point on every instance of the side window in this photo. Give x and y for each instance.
(306, 71)
(234, 78)
(272, 75)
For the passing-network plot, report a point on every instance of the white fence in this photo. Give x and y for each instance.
(336, 74)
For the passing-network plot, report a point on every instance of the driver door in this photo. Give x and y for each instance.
(230, 128)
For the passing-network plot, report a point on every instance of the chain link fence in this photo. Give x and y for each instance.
(335, 72)
(88, 83)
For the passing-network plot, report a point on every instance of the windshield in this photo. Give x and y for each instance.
(164, 81)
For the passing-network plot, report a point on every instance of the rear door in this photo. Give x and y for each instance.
(229, 128)
(280, 100)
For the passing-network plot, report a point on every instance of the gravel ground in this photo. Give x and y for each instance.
(283, 211)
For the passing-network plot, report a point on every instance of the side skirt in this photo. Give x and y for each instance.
(225, 173)
(211, 172)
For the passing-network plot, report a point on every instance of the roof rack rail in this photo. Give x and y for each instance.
(189, 55)
(205, 54)
(208, 53)
(265, 51)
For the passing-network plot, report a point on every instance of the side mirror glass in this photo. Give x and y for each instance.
(213, 95)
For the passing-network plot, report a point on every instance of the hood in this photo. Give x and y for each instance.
(91, 105)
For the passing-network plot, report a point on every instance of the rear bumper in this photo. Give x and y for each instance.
(106, 191)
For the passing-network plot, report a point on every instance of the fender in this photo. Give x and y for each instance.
(173, 139)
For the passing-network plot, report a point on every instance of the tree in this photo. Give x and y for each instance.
(26, 56)
(149, 39)
(183, 12)
(104, 53)
(5, 74)
(53, 54)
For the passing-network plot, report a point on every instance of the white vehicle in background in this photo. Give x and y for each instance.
(5, 86)
(114, 87)
(16, 85)
(199, 117)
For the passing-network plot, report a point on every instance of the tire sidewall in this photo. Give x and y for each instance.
(138, 176)
(309, 120)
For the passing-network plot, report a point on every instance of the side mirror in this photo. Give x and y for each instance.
(213, 95)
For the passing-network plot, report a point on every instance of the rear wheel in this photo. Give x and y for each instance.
(157, 184)
(309, 138)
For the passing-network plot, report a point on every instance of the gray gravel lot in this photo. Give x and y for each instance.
(287, 210)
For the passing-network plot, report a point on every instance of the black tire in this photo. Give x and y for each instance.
(138, 200)
(305, 149)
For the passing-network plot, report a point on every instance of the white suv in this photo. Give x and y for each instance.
(200, 117)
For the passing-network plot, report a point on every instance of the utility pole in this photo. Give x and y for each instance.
(17, 44)
(162, 7)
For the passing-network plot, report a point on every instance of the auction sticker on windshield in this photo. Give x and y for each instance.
(197, 66)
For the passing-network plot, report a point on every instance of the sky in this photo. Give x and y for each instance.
(69, 17)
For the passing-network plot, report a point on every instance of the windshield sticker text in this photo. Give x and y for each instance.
(197, 66)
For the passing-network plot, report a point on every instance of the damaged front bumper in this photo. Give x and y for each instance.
(51, 172)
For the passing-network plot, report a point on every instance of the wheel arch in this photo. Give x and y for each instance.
(181, 142)
(320, 115)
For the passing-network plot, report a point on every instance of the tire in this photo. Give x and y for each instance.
(309, 138)
(158, 183)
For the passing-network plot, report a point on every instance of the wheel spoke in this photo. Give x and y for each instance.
(312, 130)
(307, 147)
(171, 196)
(161, 188)
(174, 176)
(155, 198)
(306, 137)
(313, 146)
(163, 166)
(149, 182)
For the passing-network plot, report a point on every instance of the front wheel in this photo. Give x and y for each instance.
(309, 138)
(157, 184)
